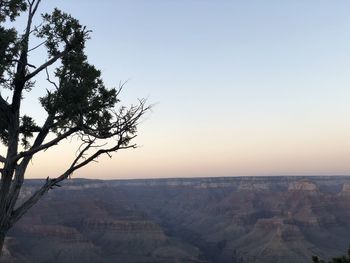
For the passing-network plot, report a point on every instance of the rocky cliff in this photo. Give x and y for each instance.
(242, 219)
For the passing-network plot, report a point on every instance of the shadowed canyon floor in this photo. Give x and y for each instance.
(241, 219)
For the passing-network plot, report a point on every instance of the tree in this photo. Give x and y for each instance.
(342, 259)
(76, 103)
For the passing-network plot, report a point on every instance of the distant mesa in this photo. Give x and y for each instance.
(346, 189)
(302, 186)
(253, 186)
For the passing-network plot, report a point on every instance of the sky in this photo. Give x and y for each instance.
(240, 88)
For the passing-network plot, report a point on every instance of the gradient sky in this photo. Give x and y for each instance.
(241, 87)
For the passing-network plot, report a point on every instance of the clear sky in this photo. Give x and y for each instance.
(241, 87)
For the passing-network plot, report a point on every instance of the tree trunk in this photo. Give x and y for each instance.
(2, 241)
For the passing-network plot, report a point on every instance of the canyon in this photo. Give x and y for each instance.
(280, 219)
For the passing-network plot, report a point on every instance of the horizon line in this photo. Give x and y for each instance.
(196, 177)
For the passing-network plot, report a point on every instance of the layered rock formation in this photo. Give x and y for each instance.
(247, 219)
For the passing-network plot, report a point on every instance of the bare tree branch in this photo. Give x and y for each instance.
(3, 104)
(82, 152)
(122, 123)
(37, 46)
(21, 168)
(49, 80)
(47, 145)
(50, 183)
(124, 137)
(20, 79)
(18, 61)
(46, 64)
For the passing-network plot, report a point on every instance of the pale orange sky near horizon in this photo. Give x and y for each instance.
(239, 88)
(241, 151)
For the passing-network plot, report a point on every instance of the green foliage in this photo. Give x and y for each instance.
(59, 29)
(27, 128)
(10, 42)
(81, 97)
(342, 259)
(8, 53)
(11, 9)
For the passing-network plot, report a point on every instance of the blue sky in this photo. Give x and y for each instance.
(241, 87)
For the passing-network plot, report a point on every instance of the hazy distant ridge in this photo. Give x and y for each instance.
(225, 219)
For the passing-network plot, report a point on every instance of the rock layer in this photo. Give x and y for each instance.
(244, 219)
